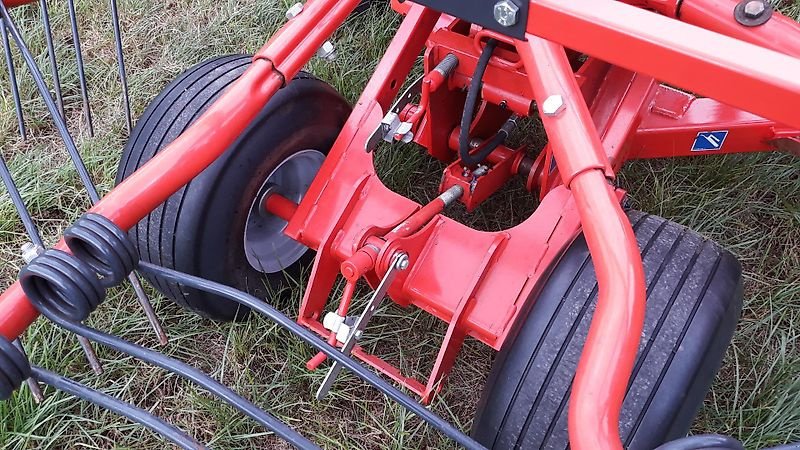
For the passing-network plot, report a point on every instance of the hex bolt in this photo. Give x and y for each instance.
(294, 11)
(327, 51)
(754, 9)
(506, 13)
(553, 105)
(402, 263)
(29, 251)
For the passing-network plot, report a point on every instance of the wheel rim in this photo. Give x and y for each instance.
(268, 250)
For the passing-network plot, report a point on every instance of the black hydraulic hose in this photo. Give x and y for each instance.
(472, 160)
(134, 413)
(313, 340)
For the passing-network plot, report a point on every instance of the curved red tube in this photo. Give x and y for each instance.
(610, 350)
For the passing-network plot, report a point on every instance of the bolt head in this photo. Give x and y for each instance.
(327, 51)
(30, 251)
(403, 264)
(294, 11)
(754, 9)
(506, 13)
(553, 105)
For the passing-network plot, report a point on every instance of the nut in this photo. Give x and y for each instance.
(754, 9)
(506, 13)
(294, 11)
(327, 51)
(553, 105)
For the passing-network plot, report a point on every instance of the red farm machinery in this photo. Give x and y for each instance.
(610, 323)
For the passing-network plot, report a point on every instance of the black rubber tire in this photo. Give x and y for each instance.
(693, 304)
(199, 230)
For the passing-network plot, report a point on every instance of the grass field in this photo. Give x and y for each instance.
(750, 204)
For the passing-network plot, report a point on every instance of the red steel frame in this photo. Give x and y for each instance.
(615, 109)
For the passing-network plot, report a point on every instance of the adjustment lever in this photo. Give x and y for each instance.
(399, 262)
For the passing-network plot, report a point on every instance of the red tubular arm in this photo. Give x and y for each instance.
(610, 350)
(780, 33)
(204, 141)
(692, 58)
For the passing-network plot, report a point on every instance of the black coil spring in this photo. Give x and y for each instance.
(100, 243)
(14, 368)
(73, 285)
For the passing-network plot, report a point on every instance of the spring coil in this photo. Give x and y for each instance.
(60, 282)
(73, 285)
(100, 243)
(14, 368)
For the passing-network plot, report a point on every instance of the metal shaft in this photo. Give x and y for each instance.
(123, 78)
(12, 77)
(76, 40)
(51, 54)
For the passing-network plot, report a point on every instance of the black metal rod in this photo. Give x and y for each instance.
(19, 204)
(51, 106)
(123, 77)
(188, 372)
(76, 40)
(12, 76)
(72, 149)
(51, 54)
(313, 340)
(134, 413)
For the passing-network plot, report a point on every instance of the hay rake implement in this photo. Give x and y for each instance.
(610, 323)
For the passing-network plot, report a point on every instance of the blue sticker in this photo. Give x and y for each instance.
(709, 140)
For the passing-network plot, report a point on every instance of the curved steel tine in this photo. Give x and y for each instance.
(147, 307)
(51, 53)
(12, 76)
(123, 77)
(33, 385)
(75, 156)
(36, 239)
(76, 40)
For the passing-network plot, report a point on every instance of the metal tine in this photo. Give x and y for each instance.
(76, 40)
(51, 53)
(33, 385)
(123, 77)
(75, 156)
(12, 76)
(36, 239)
(147, 307)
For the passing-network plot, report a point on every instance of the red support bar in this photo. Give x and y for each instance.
(676, 119)
(610, 350)
(779, 33)
(676, 53)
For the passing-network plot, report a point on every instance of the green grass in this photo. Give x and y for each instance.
(749, 203)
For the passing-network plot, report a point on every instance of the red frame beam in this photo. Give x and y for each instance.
(675, 53)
